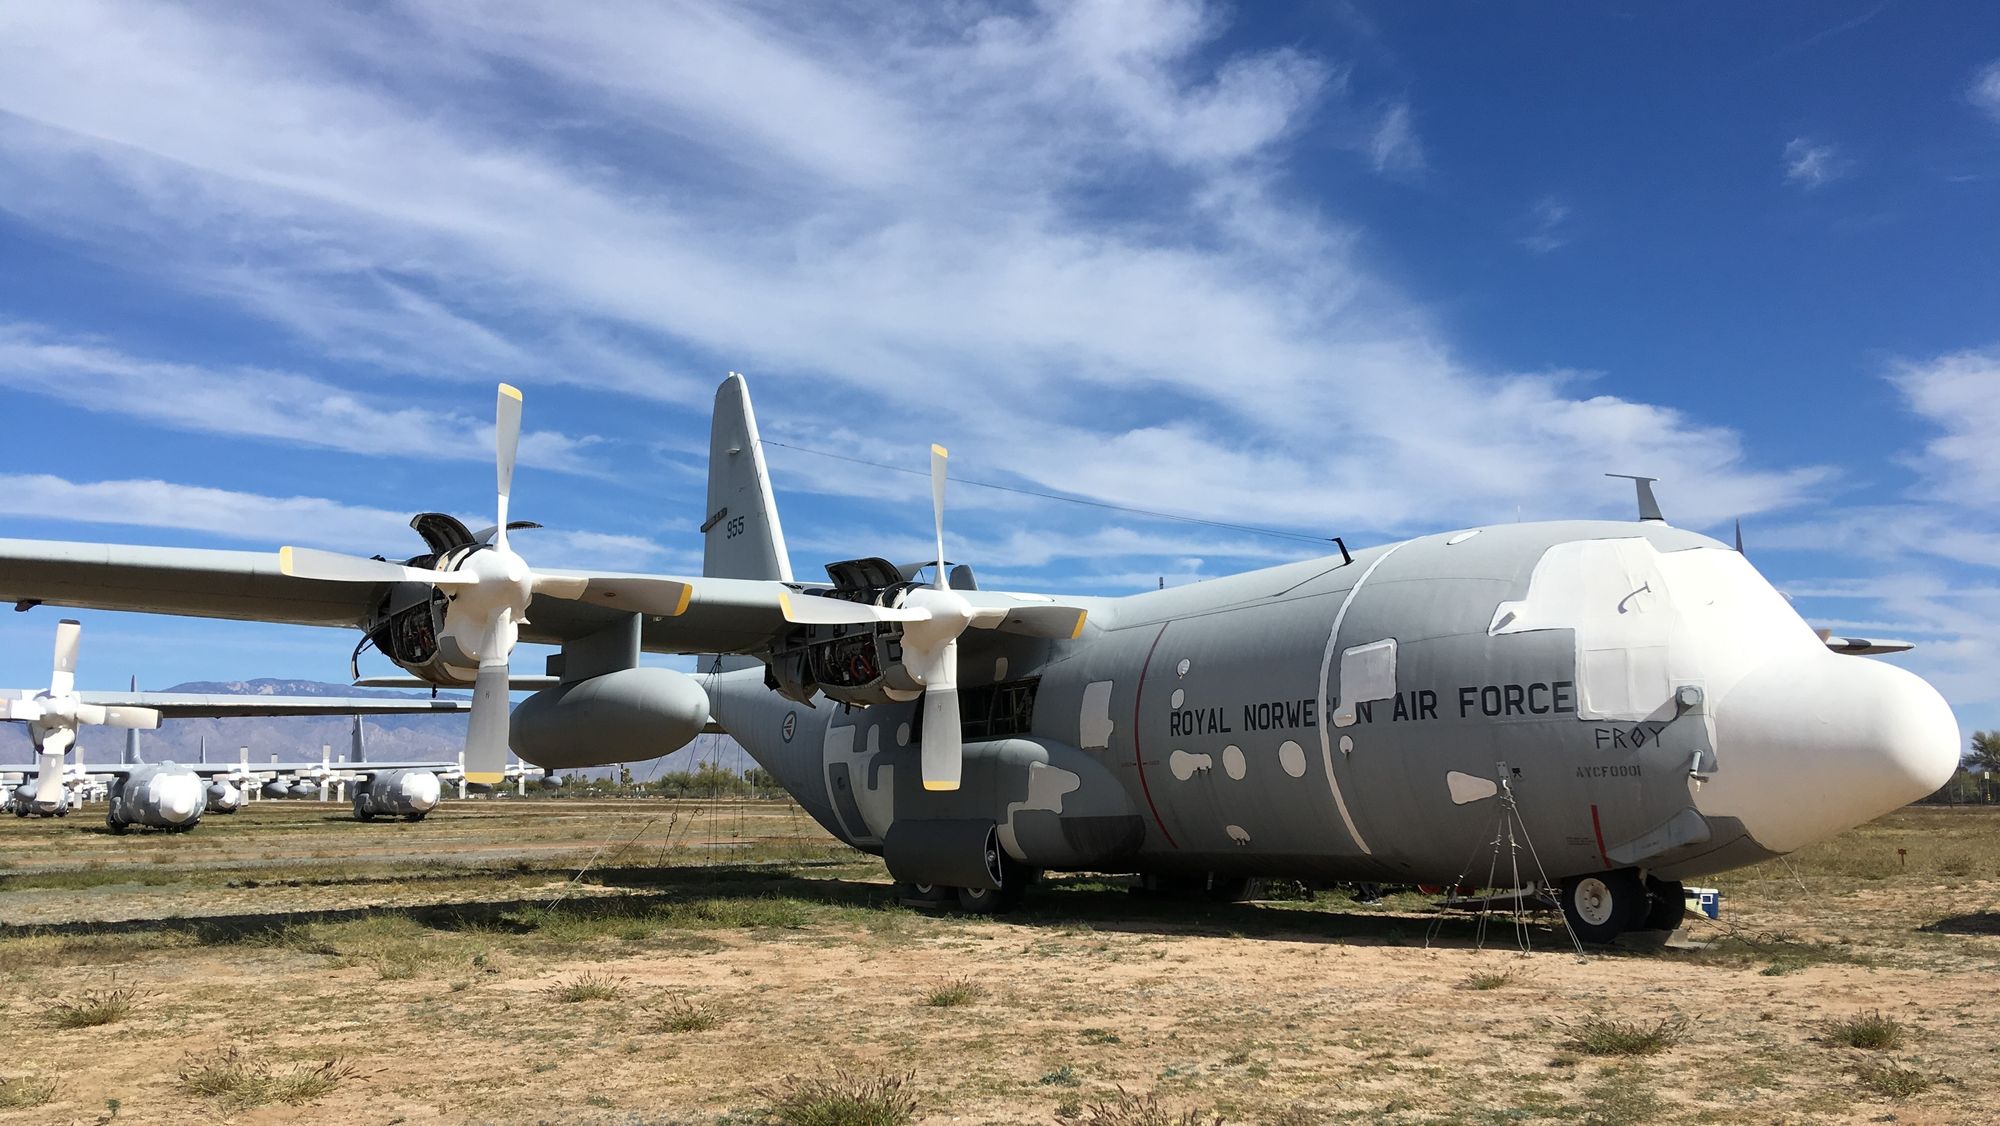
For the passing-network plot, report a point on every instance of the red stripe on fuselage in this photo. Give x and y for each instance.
(1599, 830)
(1138, 759)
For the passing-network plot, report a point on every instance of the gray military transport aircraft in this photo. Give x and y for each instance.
(161, 795)
(1646, 706)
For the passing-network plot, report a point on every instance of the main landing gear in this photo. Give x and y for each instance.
(1601, 906)
(1015, 879)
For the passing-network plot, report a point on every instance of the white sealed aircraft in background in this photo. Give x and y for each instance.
(1637, 698)
(162, 795)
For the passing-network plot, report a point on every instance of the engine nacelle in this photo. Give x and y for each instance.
(622, 716)
(397, 793)
(224, 797)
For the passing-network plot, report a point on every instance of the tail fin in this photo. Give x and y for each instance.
(132, 735)
(741, 536)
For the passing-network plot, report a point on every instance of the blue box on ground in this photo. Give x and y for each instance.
(1708, 901)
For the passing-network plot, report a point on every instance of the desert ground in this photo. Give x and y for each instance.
(647, 961)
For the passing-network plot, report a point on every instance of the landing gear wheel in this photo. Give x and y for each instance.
(363, 815)
(979, 901)
(413, 817)
(1603, 905)
(914, 894)
(1228, 889)
(115, 825)
(1668, 907)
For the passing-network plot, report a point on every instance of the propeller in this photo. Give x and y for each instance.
(933, 617)
(490, 589)
(53, 716)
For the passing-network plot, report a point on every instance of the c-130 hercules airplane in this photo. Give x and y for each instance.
(1650, 707)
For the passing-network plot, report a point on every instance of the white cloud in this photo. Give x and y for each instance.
(1960, 395)
(1546, 220)
(1811, 164)
(899, 217)
(276, 406)
(1984, 90)
(1394, 150)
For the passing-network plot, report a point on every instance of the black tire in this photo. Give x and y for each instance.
(925, 895)
(1668, 907)
(1601, 906)
(363, 815)
(115, 825)
(413, 817)
(980, 901)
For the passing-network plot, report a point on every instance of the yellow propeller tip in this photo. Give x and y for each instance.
(483, 777)
(937, 786)
(940, 450)
(510, 390)
(1081, 617)
(285, 561)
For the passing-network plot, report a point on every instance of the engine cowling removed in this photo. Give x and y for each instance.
(621, 716)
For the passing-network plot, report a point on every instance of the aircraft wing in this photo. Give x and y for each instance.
(195, 705)
(720, 615)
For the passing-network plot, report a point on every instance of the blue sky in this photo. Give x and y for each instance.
(1368, 270)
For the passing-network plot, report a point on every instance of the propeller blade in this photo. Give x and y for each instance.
(62, 680)
(812, 610)
(89, 715)
(943, 746)
(25, 710)
(663, 598)
(939, 455)
(140, 719)
(486, 731)
(485, 535)
(559, 586)
(1062, 623)
(49, 771)
(506, 440)
(331, 566)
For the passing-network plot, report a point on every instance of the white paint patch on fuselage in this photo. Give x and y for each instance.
(1046, 787)
(1325, 704)
(1233, 763)
(1237, 833)
(1186, 765)
(1093, 721)
(1179, 698)
(1468, 788)
(1292, 757)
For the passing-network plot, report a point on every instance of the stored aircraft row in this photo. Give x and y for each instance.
(1634, 697)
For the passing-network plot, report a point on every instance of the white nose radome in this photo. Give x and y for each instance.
(420, 789)
(180, 798)
(1812, 744)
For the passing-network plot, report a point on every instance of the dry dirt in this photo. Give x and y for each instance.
(426, 961)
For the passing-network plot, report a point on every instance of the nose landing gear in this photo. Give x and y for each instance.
(1600, 906)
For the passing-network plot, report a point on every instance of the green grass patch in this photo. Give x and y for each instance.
(1870, 1030)
(1490, 979)
(587, 987)
(1887, 1077)
(94, 1007)
(1600, 1036)
(684, 1015)
(843, 1099)
(24, 1092)
(954, 993)
(243, 1081)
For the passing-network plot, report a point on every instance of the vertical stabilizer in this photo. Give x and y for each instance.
(131, 736)
(741, 536)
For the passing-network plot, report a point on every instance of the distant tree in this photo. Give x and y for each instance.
(1985, 753)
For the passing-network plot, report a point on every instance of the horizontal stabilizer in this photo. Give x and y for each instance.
(1864, 646)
